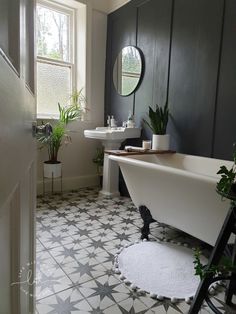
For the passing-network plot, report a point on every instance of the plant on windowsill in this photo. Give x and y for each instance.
(54, 136)
(158, 121)
(98, 160)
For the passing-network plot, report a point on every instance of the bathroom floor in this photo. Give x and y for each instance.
(77, 236)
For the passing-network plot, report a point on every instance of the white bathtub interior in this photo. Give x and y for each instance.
(202, 166)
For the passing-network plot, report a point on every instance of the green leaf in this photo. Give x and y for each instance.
(222, 170)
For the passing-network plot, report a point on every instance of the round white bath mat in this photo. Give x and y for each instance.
(163, 269)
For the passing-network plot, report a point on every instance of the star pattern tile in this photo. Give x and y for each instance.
(77, 236)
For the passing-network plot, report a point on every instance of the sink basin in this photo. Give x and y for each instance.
(114, 134)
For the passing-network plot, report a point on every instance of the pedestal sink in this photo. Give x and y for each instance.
(111, 138)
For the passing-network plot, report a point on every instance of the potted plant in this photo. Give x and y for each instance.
(226, 268)
(227, 183)
(98, 160)
(158, 124)
(55, 135)
(226, 187)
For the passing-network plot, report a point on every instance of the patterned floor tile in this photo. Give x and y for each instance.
(39, 246)
(50, 278)
(69, 253)
(78, 234)
(128, 306)
(55, 240)
(44, 259)
(68, 301)
(82, 271)
(104, 292)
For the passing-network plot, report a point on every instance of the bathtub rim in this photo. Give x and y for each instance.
(172, 170)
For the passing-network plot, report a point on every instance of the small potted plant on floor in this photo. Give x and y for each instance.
(98, 160)
(158, 121)
(56, 135)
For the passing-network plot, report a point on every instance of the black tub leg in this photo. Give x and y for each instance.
(147, 219)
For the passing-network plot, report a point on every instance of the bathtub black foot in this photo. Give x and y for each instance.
(147, 219)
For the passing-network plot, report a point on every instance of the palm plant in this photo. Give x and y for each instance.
(158, 119)
(57, 133)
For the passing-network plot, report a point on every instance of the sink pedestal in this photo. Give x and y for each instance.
(110, 183)
(111, 139)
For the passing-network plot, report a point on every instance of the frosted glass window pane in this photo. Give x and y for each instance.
(53, 86)
(52, 34)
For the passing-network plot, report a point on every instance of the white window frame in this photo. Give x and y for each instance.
(61, 7)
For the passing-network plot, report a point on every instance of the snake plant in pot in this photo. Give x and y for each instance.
(158, 121)
(56, 135)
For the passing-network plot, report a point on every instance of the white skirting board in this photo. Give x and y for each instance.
(68, 183)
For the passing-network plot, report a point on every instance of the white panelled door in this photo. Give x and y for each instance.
(17, 157)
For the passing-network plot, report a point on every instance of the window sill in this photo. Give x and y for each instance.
(55, 117)
(45, 116)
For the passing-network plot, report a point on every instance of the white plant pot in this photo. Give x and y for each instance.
(52, 170)
(160, 142)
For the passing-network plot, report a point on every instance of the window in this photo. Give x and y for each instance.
(55, 56)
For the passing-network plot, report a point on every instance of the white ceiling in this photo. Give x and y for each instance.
(107, 6)
(115, 4)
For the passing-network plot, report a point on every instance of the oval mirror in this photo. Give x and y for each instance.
(127, 70)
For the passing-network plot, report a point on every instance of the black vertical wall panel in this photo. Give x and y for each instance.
(202, 81)
(153, 38)
(121, 33)
(193, 74)
(225, 129)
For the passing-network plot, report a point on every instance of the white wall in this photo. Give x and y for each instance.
(78, 168)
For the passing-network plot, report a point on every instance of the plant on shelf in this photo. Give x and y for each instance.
(226, 186)
(54, 136)
(220, 271)
(226, 268)
(158, 121)
(227, 183)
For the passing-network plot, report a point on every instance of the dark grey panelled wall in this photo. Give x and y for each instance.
(225, 127)
(189, 50)
(194, 63)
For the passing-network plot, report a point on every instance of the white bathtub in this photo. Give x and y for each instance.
(179, 190)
